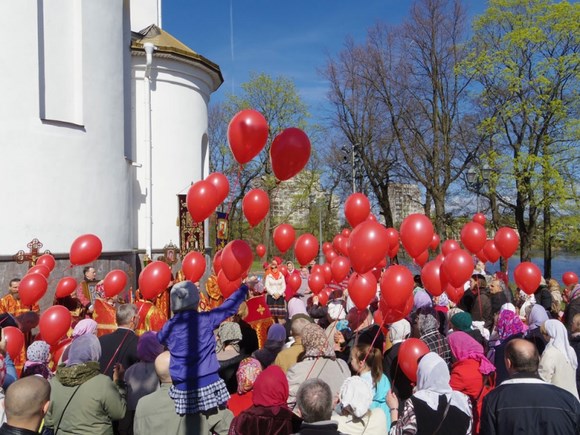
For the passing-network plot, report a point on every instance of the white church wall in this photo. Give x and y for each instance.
(144, 13)
(179, 97)
(59, 179)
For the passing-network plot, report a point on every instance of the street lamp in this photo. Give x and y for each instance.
(477, 179)
(314, 200)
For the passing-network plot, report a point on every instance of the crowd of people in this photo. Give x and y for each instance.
(270, 360)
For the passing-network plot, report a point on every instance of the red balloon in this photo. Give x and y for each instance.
(283, 269)
(362, 288)
(454, 293)
(317, 268)
(409, 353)
(393, 238)
(316, 282)
(327, 271)
(247, 135)
(569, 278)
(506, 241)
(32, 288)
(85, 249)
(46, 260)
(449, 246)
(14, 341)
(289, 153)
(193, 266)
(306, 248)
(330, 256)
(255, 206)
(340, 267)
(154, 279)
(201, 200)
(356, 209)
(481, 256)
(323, 296)
(527, 277)
(416, 233)
(372, 217)
(393, 251)
(39, 268)
(473, 237)
(217, 262)
(294, 282)
(340, 244)
(396, 286)
(237, 258)
(431, 277)
(58, 349)
(261, 250)
(392, 315)
(434, 242)
(479, 218)
(65, 287)
(226, 286)
(491, 251)
(422, 258)
(114, 283)
(457, 267)
(368, 245)
(326, 247)
(221, 184)
(284, 236)
(55, 323)
(345, 233)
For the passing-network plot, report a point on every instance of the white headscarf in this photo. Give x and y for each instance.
(433, 380)
(399, 331)
(336, 310)
(508, 306)
(559, 339)
(357, 394)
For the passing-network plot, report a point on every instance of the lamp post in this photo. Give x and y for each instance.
(476, 179)
(314, 200)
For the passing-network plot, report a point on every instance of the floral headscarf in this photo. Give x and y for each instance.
(465, 347)
(315, 342)
(509, 324)
(38, 352)
(248, 371)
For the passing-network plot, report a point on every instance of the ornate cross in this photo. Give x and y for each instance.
(260, 309)
(34, 245)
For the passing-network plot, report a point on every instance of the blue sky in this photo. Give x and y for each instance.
(290, 38)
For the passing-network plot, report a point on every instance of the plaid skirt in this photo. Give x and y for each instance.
(277, 306)
(203, 399)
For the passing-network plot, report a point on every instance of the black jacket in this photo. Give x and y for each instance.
(6, 429)
(119, 346)
(528, 405)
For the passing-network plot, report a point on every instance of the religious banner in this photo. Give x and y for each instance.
(191, 235)
(222, 230)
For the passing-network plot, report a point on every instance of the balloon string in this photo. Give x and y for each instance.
(116, 351)
(237, 183)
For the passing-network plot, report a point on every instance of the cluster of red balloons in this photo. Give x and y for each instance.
(35, 283)
(206, 195)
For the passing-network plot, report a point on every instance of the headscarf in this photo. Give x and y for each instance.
(433, 380)
(296, 306)
(508, 324)
(399, 331)
(465, 347)
(427, 320)
(559, 339)
(229, 334)
(462, 321)
(148, 347)
(84, 327)
(38, 352)
(336, 311)
(356, 394)
(277, 332)
(508, 306)
(84, 349)
(537, 317)
(248, 371)
(315, 342)
(421, 299)
(271, 388)
(443, 300)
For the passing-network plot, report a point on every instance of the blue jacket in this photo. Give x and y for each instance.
(189, 338)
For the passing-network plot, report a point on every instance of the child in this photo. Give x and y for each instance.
(371, 371)
(188, 335)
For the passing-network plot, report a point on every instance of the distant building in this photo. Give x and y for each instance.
(405, 199)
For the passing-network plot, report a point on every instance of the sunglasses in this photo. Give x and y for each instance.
(274, 267)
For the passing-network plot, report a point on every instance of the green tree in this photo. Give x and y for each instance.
(525, 57)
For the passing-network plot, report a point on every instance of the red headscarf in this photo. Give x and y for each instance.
(271, 388)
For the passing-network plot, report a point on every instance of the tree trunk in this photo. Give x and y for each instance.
(439, 202)
(547, 242)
